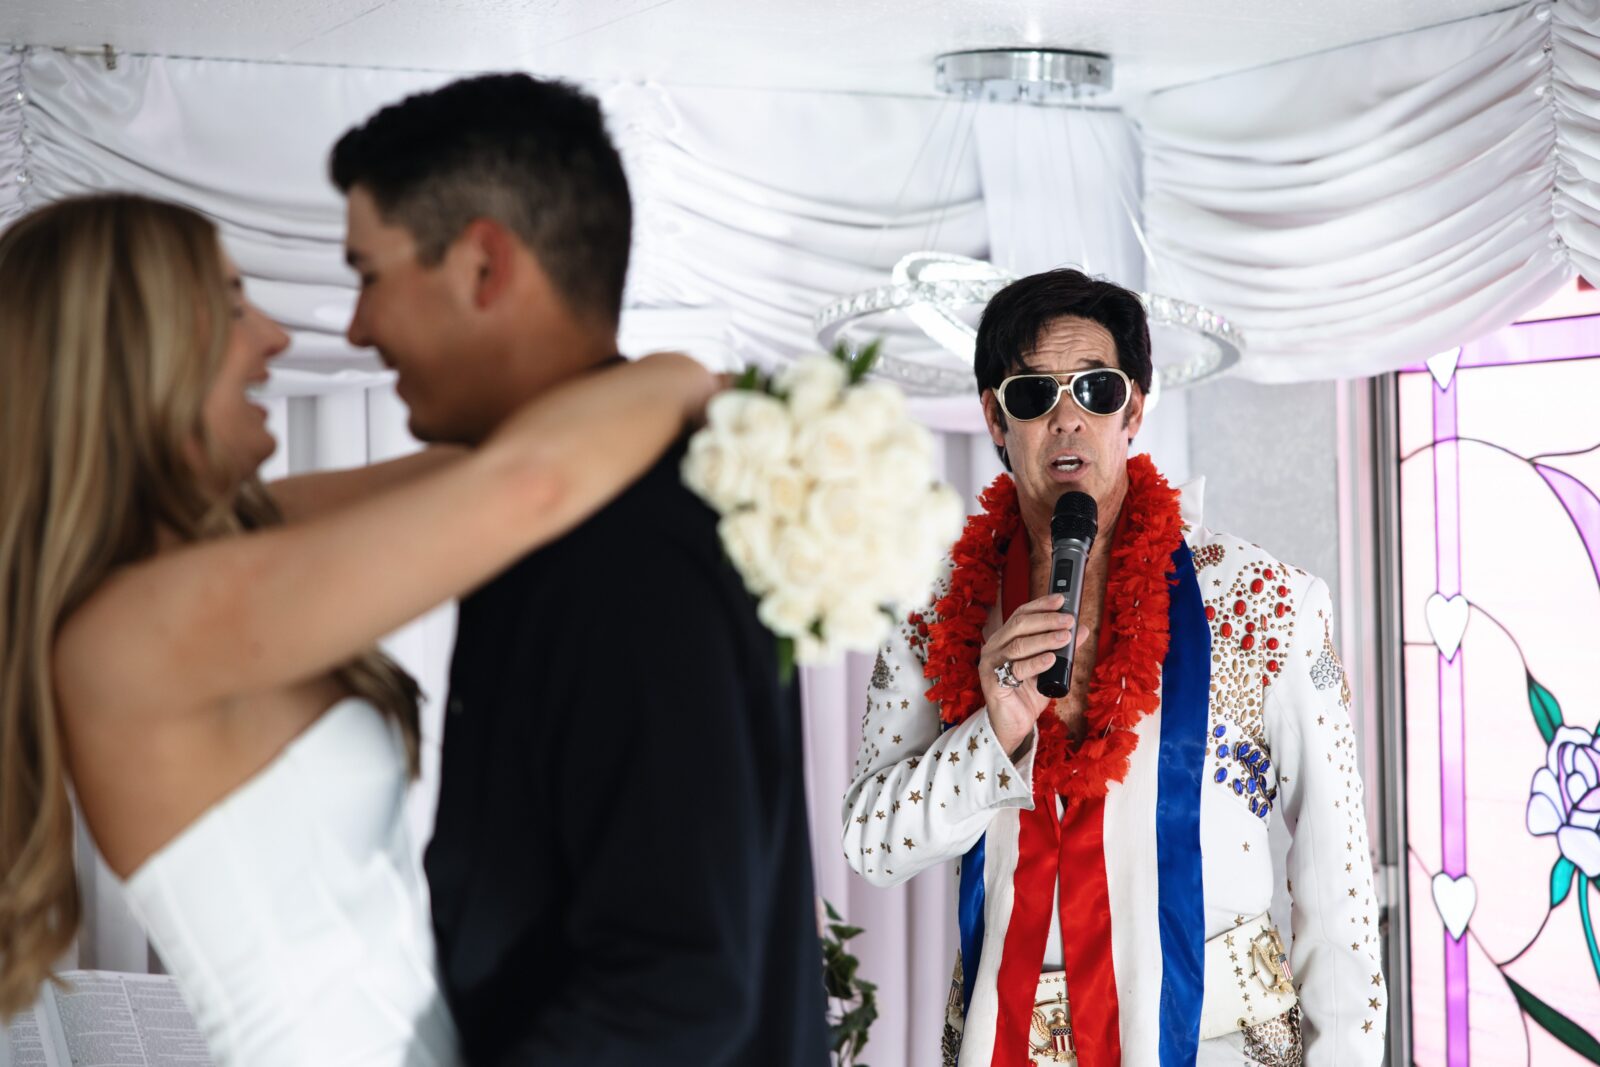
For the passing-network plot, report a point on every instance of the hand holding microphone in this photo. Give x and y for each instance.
(1072, 532)
(1038, 642)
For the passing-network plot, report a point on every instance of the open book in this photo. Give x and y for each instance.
(106, 1019)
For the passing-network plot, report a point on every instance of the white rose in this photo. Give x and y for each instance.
(812, 385)
(855, 624)
(787, 613)
(929, 524)
(861, 565)
(805, 563)
(941, 515)
(750, 537)
(759, 423)
(829, 447)
(899, 476)
(877, 408)
(781, 491)
(915, 438)
(714, 469)
(811, 651)
(836, 513)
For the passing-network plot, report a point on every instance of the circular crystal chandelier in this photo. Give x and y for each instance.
(938, 292)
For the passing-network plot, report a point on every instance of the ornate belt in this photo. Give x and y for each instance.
(1247, 983)
(1050, 1040)
(1247, 979)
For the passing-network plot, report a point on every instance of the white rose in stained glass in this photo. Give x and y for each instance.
(1565, 798)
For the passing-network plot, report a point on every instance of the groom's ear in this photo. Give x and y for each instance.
(492, 252)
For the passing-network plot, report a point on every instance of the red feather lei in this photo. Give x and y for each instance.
(1132, 646)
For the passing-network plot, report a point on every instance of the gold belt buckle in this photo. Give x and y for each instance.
(1052, 1033)
(1271, 961)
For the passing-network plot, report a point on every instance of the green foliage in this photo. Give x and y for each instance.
(1546, 712)
(1557, 1025)
(1561, 880)
(752, 380)
(859, 364)
(786, 662)
(853, 1001)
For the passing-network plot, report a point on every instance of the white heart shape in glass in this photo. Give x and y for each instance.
(1447, 622)
(1443, 367)
(1456, 898)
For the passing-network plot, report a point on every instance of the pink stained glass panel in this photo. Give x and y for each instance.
(1496, 477)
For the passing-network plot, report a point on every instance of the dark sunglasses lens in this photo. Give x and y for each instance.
(1100, 391)
(1028, 398)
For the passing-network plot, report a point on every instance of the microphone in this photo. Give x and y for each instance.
(1072, 532)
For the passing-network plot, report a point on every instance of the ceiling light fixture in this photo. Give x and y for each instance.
(937, 291)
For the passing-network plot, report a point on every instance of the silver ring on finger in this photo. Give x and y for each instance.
(1004, 676)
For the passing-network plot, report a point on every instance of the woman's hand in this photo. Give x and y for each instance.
(1029, 641)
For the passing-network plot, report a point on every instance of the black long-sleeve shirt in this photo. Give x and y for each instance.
(620, 868)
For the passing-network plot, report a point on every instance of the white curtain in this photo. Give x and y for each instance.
(1364, 208)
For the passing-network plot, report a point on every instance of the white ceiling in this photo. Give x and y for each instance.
(850, 45)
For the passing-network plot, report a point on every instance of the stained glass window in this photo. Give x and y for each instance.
(1500, 562)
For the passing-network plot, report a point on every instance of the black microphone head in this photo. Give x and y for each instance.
(1076, 518)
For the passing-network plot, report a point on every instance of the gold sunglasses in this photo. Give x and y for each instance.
(1098, 391)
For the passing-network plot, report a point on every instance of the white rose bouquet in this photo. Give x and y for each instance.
(829, 508)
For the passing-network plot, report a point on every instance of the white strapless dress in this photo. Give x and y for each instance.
(294, 914)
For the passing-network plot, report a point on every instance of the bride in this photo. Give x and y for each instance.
(197, 652)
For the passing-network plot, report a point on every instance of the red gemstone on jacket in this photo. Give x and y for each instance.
(1238, 607)
(1257, 585)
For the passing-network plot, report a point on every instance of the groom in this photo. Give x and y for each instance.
(620, 868)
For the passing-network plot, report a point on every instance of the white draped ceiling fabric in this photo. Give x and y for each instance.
(1367, 207)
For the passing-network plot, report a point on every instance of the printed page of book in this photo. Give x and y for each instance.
(24, 1043)
(107, 1019)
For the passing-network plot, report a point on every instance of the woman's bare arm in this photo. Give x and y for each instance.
(204, 622)
(305, 496)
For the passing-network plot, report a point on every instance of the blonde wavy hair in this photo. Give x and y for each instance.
(114, 316)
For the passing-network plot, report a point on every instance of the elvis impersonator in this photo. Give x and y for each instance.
(1112, 845)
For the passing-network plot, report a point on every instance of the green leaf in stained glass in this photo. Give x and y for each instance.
(1561, 880)
(1557, 1025)
(1546, 712)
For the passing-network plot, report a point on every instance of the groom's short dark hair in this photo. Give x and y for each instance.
(531, 154)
